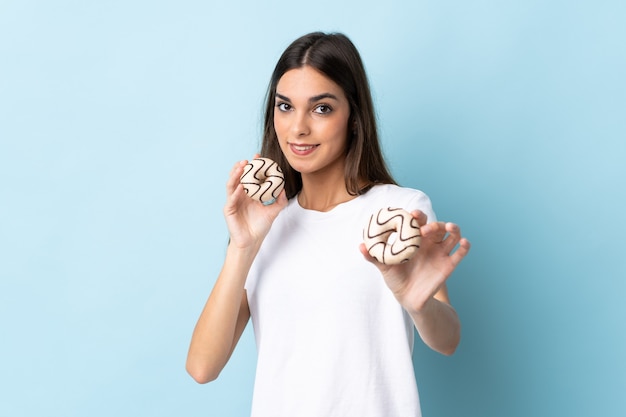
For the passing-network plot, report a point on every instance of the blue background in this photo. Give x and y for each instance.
(120, 120)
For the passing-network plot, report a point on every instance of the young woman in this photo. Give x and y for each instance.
(333, 327)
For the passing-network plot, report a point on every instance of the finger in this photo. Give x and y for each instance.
(280, 202)
(234, 200)
(464, 248)
(453, 238)
(434, 231)
(420, 216)
(235, 177)
(369, 258)
(365, 253)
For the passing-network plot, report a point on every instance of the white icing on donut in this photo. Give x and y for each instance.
(263, 180)
(380, 228)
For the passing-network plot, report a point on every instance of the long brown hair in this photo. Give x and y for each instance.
(335, 56)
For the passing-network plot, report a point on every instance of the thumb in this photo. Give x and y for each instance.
(369, 258)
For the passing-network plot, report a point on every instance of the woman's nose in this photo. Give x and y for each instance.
(300, 125)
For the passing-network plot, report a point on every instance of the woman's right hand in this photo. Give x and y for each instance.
(248, 220)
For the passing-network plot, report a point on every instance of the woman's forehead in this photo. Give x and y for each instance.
(306, 82)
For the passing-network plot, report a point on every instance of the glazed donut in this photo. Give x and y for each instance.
(382, 225)
(263, 180)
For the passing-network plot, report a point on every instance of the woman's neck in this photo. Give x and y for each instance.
(323, 192)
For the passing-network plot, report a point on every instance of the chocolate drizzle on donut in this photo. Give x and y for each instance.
(263, 180)
(382, 225)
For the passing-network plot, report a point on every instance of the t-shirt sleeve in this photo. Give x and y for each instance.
(421, 201)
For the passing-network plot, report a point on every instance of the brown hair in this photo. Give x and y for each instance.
(335, 56)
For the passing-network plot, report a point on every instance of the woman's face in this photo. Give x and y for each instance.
(311, 121)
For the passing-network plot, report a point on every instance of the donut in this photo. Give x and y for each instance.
(381, 226)
(263, 180)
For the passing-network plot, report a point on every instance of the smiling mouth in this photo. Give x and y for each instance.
(303, 148)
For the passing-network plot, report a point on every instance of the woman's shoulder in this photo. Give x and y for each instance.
(393, 191)
(391, 195)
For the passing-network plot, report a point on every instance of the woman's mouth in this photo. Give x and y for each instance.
(302, 149)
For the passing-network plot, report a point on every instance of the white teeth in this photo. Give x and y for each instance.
(303, 148)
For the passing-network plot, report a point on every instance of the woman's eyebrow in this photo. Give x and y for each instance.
(312, 99)
(323, 96)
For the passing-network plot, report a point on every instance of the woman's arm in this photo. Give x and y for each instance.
(419, 284)
(226, 311)
(438, 324)
(222, 320)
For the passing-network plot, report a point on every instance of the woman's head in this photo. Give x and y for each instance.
(336, 57)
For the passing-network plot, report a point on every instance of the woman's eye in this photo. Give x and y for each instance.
(323, 109)
(283, 106)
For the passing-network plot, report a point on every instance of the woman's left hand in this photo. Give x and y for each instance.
(415, 282)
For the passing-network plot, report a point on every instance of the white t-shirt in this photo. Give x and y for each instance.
(332, 340)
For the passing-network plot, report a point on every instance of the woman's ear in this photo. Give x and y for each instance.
(352, 125)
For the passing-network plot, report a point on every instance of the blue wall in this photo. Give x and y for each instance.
(119, 122)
